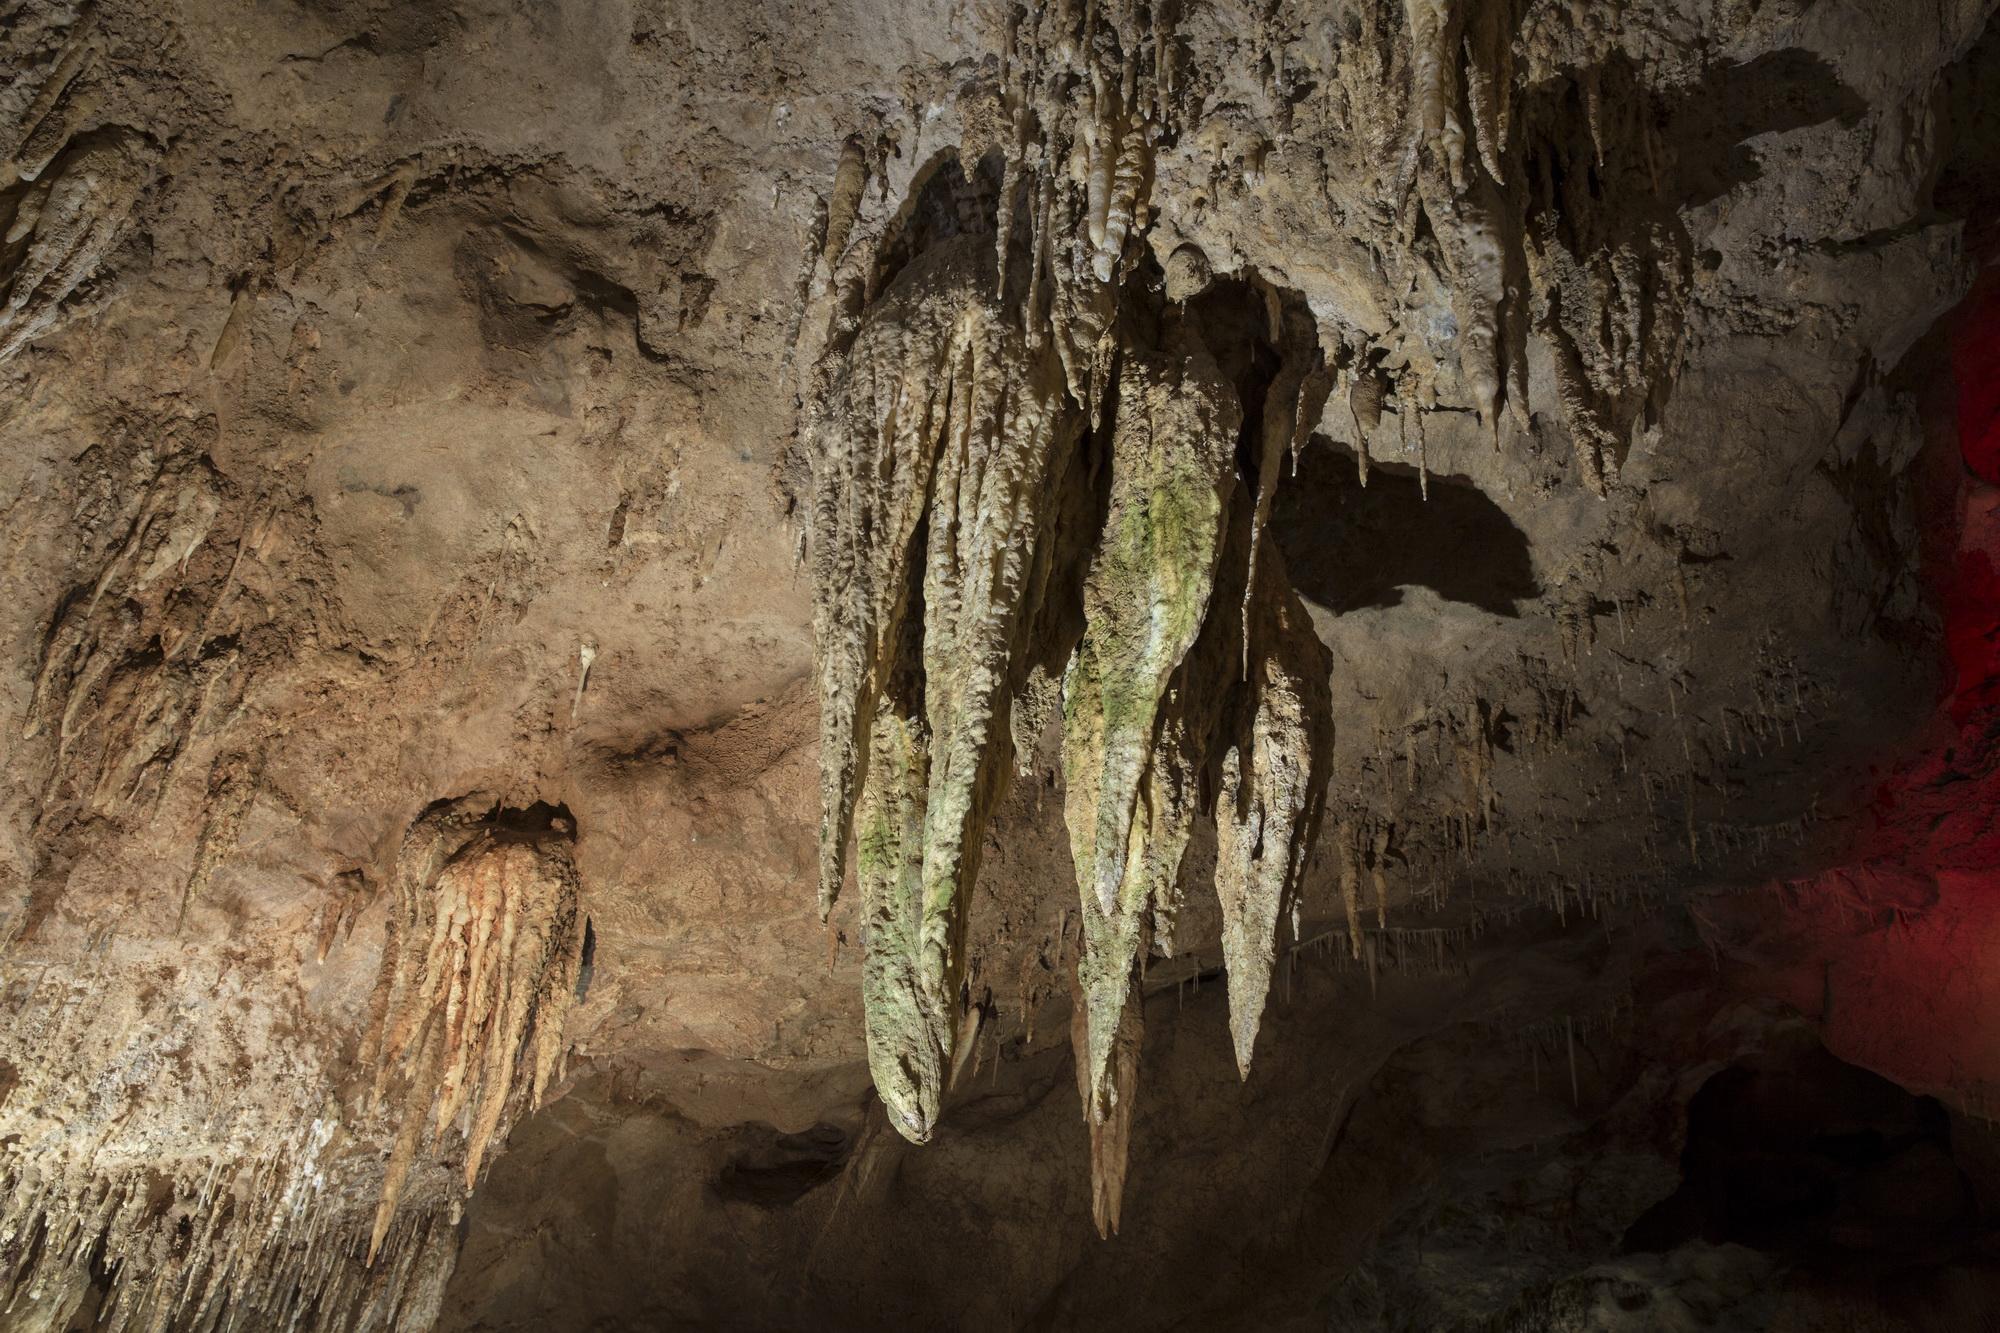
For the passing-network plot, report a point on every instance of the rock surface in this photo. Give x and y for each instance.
(645, 630)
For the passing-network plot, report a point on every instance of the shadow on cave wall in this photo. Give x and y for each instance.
(1349, 546)
(1711, 125)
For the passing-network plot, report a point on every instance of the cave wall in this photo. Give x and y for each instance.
(416, 420)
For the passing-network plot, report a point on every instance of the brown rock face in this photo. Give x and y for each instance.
(644, 630)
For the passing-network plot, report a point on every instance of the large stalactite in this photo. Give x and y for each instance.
(948, 419)
(935, 470)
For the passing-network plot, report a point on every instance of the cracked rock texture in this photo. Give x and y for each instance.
(1124, 664)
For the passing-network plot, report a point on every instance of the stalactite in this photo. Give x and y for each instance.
(1365, 393)
(80, 220)
(945, 423)
(849, 179)
(1595, 445)
(874, 454)
(1102, 133)
(1284, 409)
(1273, 790)
(1378, 870)
(1006, 426)
(1145, 601)
(1434, 40)
(906, 1048)
(1115, 1091)
(1021, 157)
(1481, 97)
(481, 976)
(1481, 288)
(1147, 595)
(1131, 167)
(65, 98)
(232, 787)
(1348, 847)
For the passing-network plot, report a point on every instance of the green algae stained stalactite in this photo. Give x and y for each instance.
(876, 449)
(1146, 597)
(1145, 601)
(876, 454)
(905, 1054)
(947, 426)
(990, 503)
(1171, 798)
(1273, 793)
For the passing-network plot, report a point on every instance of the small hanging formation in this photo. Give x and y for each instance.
(255, 1215)
(481, 973)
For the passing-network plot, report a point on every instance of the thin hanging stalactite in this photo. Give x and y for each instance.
(1273, 794)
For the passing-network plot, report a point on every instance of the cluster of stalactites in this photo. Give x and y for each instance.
(1195, 649)
(258, 1218)
(140, 1194)
(234, 1246)
(1087, 91)
(1464, 157)
(65, 196)
(940, 445)
(1460, 70)
(943, 453)
(481, 974)
(934, 468)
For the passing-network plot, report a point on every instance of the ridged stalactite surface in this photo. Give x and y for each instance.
(1274, 778)
(945, 429)
(1130, 739)
(488, 945)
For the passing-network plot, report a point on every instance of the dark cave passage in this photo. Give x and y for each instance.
(1844, 1176)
